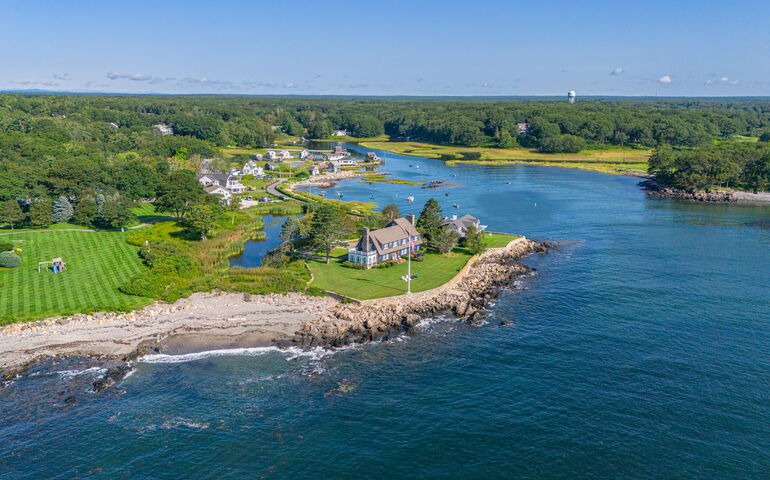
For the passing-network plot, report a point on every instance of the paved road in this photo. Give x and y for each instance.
(271, 188)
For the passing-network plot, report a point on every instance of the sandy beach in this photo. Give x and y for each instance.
(210, 320)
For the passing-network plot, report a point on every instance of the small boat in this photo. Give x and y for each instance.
(323, 192)
(456, 205)
(446, 194)
(410, 198)
(371, 197)
(507, 183)
(339, 194)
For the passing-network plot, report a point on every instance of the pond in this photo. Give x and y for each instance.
(255, 250)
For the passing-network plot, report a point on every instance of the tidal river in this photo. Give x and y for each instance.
(640, 349)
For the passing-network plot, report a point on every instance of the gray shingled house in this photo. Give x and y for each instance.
(389, 243)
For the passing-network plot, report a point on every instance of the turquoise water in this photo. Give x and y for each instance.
(640, 349)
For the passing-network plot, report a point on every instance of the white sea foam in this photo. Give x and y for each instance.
(70, 373)
(292, 353)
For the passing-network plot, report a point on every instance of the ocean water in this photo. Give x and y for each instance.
(639, 349)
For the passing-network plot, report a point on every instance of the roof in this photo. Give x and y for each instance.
(462, 222)
(215, 188)
(397, 230)
(220, 177)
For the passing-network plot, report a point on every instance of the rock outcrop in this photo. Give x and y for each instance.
(656, 190)
(465, 296)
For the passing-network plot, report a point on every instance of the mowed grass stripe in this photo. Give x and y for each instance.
(98, 263)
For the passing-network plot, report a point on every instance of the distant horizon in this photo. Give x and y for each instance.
(383, 96)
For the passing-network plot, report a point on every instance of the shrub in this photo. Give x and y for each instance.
(387, 264)
(171, 275)
(471, 155)
(5, 247)
(562, 144)
(9, 260)
(357, 266)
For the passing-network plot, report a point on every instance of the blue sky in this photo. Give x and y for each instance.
(389, 47)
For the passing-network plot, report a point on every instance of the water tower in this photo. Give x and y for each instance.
(571, 96)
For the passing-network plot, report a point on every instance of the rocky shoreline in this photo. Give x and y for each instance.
(219, 320)
(659, 191)
(465, 296)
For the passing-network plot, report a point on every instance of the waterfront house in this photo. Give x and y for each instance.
(372, 157)
(460, 225)
(271, 155)
(252, 168)
(386, 244)
(304, 155)
(284, 155)
(340, 133)
(522, 128)
(315, 169)
(224, 180)
(333, 166)
(164, 129)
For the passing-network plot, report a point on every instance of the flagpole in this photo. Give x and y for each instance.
(409, 267)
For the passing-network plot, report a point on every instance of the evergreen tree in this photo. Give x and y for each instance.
(429, 221)
(327, 229)
(11, 213)
(116, 212)
(445, 239)
(40, 212)
(87, 211)
(62, 210)
(474, 240)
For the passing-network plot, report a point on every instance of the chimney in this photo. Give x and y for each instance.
(410, 218)
(454, 216)
(365, 237)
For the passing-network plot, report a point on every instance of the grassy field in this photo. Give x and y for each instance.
(435, 270)
(611, 160)
(97, 263)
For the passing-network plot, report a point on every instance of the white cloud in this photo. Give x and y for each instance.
(665, 79)
(61, 76)
(289, 85)
(617, 71)
(137, 77)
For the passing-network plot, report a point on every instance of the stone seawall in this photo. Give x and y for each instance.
(480, 281)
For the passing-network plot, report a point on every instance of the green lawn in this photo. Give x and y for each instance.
(497, 240)
(98, 262)
(146, 212)
(433, 271)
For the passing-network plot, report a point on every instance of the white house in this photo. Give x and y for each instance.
(251, 168)
(333, 166)
(522, 128)
(315, 169)
(164, 129)
(271, 155)
(304, 155)
(348, 162)
(219, 190)
(257, 157)
(340, 133)
(224, 180)
(284, 155)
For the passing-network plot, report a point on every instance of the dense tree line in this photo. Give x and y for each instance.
(734, 165)
(101, 153)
